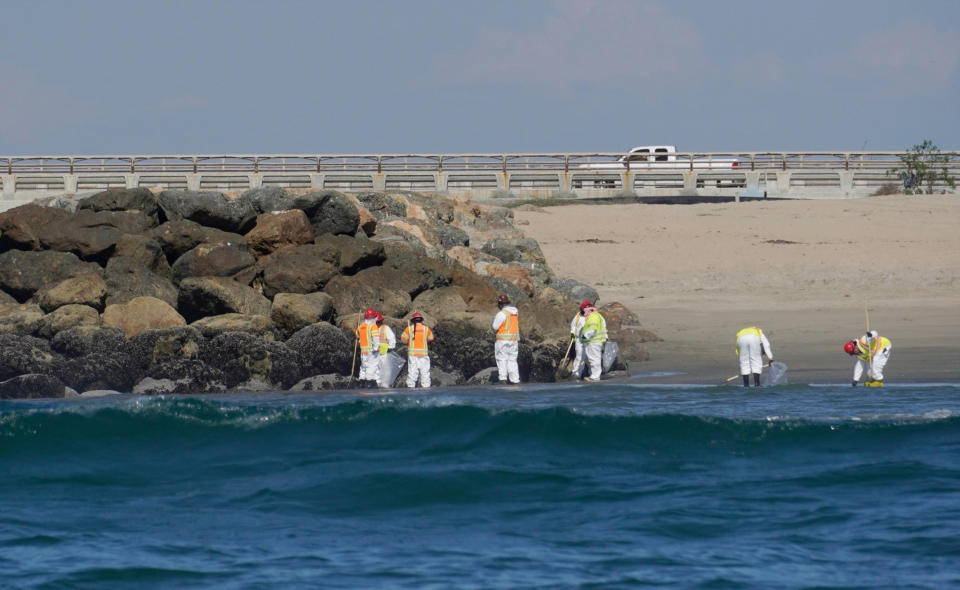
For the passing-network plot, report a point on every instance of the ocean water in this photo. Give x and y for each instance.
(608, 485)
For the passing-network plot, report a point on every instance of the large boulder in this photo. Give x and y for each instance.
(180, 375)
(258, 325)
(23, 227)
(279, 229)
(88, 290)
(322, 348)
(141, 314)
(20, 355)
(146, 250)
(207, 296)
(367, 289)
(462, 346)
(329, 211)
(243, 357)
(20, 318)
(155, 347)
(92, 235)
(298, 269)
(293, 311)
(515, 250)
(67, 317)
(123, 199)
(211, 209)
(23, 273)
(180, 236)
(34, 386)
(83, 340)
(222, 259)
(354, 253)
(114, 370)
(127, 278)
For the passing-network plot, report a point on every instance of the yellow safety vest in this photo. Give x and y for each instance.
(595, 323)
(866, 352)
(751, 330)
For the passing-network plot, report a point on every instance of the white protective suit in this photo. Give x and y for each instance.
(593, 351)
(506, 351)
(873, 365)
(386, 335)
(576, 324)
(370, 362)
(751, 346)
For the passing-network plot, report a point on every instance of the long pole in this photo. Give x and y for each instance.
(356, 344)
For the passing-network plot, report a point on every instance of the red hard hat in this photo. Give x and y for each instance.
(416, 316)
(370, 313)
(850, 347)
(379, 318)
(585, 305)
(503, 299)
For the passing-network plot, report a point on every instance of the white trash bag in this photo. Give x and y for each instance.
(610, 352)
(390, 366)
(776, 375)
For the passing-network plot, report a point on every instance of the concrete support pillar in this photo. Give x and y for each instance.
(783, 183)
(565, 185)
(9, 182)
(628, 181)
(846, 182)
(132, 180)
(316, 180)
(379, 181)
(70, 184)
(503, 181)
(193, 181)
(255, 179)
(440, 181)
(690, 182)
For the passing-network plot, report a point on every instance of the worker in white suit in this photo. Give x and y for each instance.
(576, 324)
(506, 349)
(751, 345)
(872, 351)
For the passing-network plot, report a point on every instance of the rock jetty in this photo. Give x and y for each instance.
(173, 291)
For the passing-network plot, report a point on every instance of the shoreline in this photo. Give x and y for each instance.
(802, 271)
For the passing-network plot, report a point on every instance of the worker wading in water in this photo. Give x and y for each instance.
(368, 335)
(418, 338)
(751, 344)
(872, 351)
(593, 334)
(506, 349)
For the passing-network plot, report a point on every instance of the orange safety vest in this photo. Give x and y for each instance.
(367, 333)
(420, 339)
(510, 328)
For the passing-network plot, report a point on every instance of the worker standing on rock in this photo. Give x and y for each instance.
(593, 334)
(418, 338)
(506, 349)
(872, 351)
(576, 325)
(388, 341)
(368, 336)
(751, 345)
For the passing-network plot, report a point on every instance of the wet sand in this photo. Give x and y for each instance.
(804, 271)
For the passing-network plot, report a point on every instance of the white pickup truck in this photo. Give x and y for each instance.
(653, 159)
(658, 157)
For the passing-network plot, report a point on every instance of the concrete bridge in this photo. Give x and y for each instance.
(482, 177)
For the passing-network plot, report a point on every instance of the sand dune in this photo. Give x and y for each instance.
(802, 270)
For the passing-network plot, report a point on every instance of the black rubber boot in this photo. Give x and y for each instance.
(746, 380)
(756, 379)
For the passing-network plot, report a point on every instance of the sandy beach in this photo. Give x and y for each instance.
(804, 271)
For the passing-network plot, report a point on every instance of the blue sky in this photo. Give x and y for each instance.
(414, 76)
